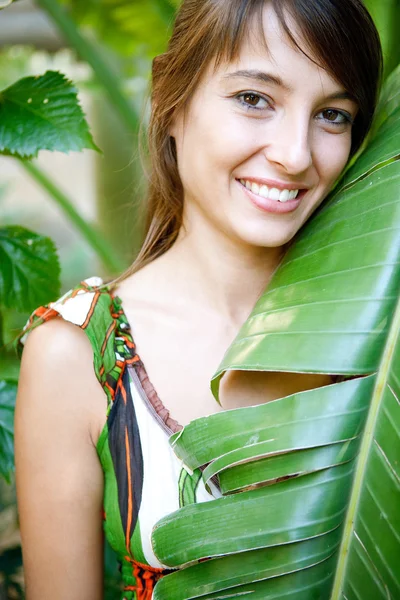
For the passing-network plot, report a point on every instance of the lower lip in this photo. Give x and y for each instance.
(273, 206)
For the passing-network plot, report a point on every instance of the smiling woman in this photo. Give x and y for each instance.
(257, 107)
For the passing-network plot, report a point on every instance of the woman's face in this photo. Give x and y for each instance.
(262, 141)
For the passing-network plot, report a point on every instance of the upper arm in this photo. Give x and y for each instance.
(58, 473)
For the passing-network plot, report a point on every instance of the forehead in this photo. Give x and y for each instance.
(267, 47)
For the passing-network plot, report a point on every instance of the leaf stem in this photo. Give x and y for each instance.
(368, 436)
(110, 260)
(92, 55)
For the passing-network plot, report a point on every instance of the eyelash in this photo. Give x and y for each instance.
(240, 97)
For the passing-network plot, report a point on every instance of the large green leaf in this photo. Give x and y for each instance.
(389, 100)
(42, 113)
(310, 483)
(8, 391)
(29, 269)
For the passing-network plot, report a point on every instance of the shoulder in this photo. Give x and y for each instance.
(77, 306)
(58, 361)
(82, 316)
(56, 343)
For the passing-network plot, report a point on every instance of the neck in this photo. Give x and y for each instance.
(221, 274)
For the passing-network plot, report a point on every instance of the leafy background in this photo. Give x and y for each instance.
(106, 47)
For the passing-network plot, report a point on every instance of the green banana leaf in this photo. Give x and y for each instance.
(310, 483)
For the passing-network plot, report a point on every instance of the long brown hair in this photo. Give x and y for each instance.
(339, 33)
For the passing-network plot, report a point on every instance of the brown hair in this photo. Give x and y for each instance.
(340, 34)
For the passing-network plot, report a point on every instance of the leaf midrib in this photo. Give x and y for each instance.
(366, 443)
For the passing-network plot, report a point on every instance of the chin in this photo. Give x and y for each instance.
(273, 239)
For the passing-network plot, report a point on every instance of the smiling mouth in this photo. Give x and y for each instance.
(272, 193)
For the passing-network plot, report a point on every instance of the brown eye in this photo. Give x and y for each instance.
(336, 117)
(251, 99)
(331, 115)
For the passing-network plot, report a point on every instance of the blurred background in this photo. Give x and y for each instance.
(87, 202)
(90, 203)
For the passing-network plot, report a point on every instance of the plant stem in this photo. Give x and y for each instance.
(110, 260)
(91, 54)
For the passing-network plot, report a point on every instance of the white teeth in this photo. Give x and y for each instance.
(271, 193)
(284, 196)
(255, 188)
(274, 194)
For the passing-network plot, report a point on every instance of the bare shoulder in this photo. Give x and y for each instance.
(59, 357)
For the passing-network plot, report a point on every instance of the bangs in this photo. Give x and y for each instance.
(243, 20)
(240, 21)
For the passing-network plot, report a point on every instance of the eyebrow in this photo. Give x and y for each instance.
(263, 77)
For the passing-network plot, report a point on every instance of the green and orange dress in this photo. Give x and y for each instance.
(144, 480)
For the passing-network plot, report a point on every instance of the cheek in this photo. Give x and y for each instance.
(333, 157)
(215, 145)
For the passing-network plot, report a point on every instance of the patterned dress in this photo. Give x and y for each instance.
(144, 480)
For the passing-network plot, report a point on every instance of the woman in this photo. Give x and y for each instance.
(257, 108)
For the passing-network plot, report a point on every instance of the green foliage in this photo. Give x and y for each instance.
(128, 26)
(386, 14)
(29, 269)
(8, 390)
(10, 569)
(37, 113)
(389, 100)
(42, 113)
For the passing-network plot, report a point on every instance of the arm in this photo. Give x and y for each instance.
(59, 412)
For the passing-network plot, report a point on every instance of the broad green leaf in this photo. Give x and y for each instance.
(8, 391)
(250, 433)
(233, 571)
(29, 269)
(389, 100)
(42, 113)
(368, 559)
(323, 462)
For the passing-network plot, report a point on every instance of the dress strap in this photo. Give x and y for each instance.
(92, 307)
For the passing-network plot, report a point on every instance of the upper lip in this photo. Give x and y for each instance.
(273, 183)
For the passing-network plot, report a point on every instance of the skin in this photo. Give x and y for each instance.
(202, 289)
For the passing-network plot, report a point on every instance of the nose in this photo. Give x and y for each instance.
(289, 146)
